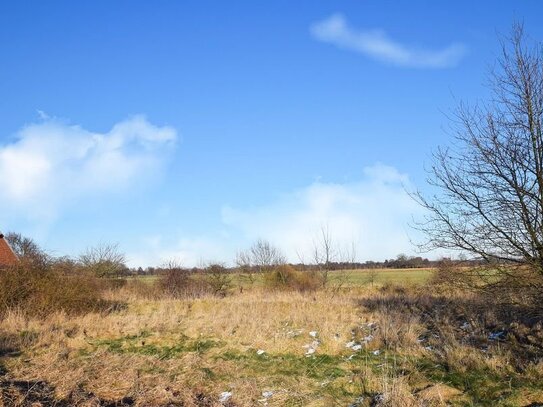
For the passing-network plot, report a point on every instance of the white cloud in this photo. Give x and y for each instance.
(52, 164)
(376, 44)
(372, 213)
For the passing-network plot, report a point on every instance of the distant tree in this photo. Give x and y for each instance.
(104, 260)
(264, 255)
(219, 279)
(27, 249)
(174, 279)
(324, 253)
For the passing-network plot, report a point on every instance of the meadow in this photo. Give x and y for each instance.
(347, 278)
(381, 338)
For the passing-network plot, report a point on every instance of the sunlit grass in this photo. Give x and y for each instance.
(257, 342)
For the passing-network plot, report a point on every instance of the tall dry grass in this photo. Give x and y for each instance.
(163, 348)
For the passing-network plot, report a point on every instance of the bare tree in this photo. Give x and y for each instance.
(489, 183)
(323, 248)
(264, 255)
(27, 249)
(104, 260)
(324, 253)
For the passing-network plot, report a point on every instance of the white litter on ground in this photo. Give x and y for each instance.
(225, 396)
(358, 402)
(350, 344)
(294, 334)
(310, 351)
(260, 352)
(356, 347)
(376, 352)
(267, 394)
(313, 334)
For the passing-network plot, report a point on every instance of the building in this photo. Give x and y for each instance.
(7, 255)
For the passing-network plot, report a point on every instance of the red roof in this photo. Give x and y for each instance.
(7, 256)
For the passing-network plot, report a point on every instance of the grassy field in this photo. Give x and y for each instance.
(361, 345)
(351, 278)
(359, 278)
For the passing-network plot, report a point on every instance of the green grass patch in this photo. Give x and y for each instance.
(137, 344)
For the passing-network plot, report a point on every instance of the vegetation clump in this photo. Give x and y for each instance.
(286, 277)
(39, 285)
(177, 282)
(38, 290)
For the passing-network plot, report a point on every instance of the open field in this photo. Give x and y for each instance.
(350, 278)
(361, 345)
(357, 278)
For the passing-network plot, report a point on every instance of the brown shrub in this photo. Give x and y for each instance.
(39, 290)
(219, 279)
(176, 282)
(285, 277)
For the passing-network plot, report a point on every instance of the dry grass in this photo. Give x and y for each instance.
(415, 349)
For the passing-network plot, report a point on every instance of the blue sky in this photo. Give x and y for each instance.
(189, 129)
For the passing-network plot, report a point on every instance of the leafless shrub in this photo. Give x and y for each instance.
(324, 253)
(176, 282)
(104, 261)
(219, 279)
(40, 291)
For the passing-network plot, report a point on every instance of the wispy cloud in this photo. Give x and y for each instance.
(52, 164)
(373, 213)
(376, 44)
